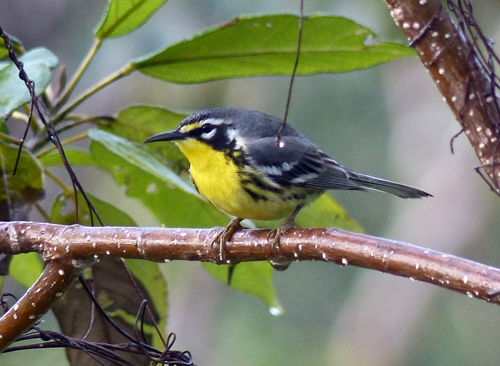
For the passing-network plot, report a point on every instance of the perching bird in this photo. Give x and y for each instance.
(238, 164)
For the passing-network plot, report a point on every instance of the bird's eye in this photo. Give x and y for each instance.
(206, 128)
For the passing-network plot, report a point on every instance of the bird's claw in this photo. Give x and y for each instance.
(275, 235)
(223, 238)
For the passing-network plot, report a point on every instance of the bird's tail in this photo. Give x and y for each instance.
(386, 186)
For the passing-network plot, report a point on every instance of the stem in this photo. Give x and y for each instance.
(44, 213)
(63, 143)
(20, 116)
(8, 138)
(73, 120)
(126, 70)
(68, 191)
(35, 123)
(78, 74)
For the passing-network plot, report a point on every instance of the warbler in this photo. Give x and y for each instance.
(251, 166)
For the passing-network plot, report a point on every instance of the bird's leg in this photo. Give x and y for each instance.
(225, 235)
(275, 234)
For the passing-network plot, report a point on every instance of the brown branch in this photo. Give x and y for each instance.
(57, 243)
(55, 279)
(447, 55)
(67, 249)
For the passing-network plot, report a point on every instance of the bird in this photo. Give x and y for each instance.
(251, 165)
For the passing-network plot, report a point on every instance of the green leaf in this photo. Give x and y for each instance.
(140, 122)
(63, 211)
(325, 212)
(26, 268)
(27, 185)
(3, 125)
(173, 201)
(75, 157)
(18, 46)
(124, 16)
(22, 189)
(267, 45)
(254, 278)
(38, 63)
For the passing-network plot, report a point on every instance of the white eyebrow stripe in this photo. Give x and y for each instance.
(213, 121)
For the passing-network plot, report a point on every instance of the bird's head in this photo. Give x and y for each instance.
(212, 127)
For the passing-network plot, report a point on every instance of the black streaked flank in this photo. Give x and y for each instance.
(255, 195)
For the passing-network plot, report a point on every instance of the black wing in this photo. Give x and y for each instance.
(298, 163)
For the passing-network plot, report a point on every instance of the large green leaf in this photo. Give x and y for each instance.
(140, 122)
(26, 268)
(38, 63)
(325, 212)
(124, 16)
(254, 278)
(173, 201)
(267, 45)
(18, 193)
(74, 155)
(63, 211)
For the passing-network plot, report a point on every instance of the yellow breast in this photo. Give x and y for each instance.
(217, 179)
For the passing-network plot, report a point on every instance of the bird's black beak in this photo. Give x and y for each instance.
(166, 136)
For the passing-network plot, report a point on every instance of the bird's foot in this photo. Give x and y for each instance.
(275, 235)
(222, 239)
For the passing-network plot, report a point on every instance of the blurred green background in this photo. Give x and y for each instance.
(388, 121)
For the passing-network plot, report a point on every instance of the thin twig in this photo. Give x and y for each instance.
(67, 189)
(78, 74)
(294, 72)
(124, 71)
(68, 141)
